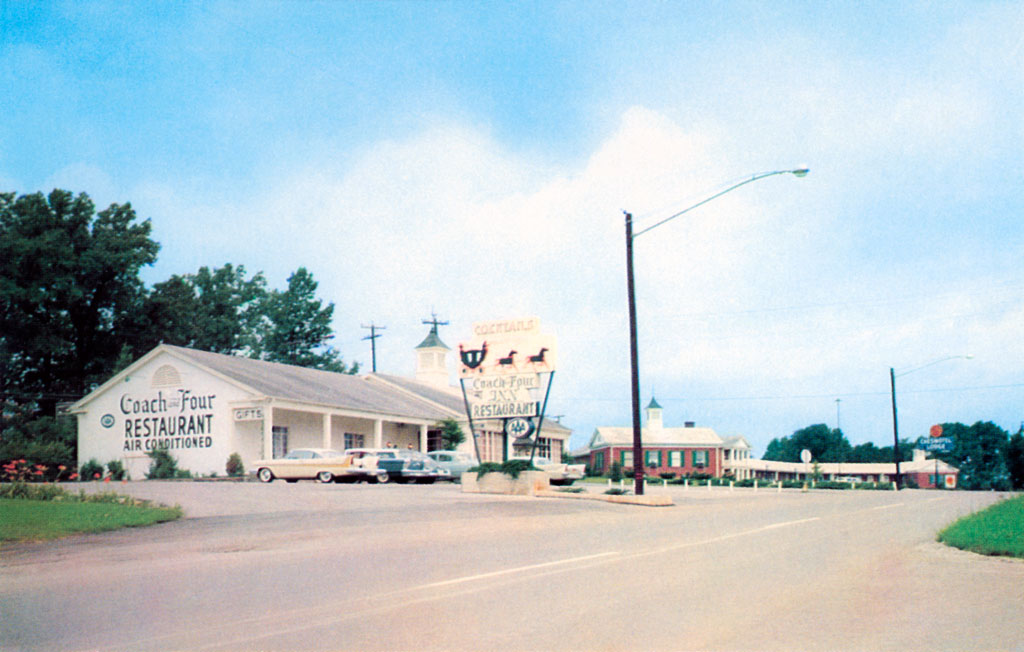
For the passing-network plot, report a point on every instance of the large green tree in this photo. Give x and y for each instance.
(69, 291)
(826, 445)
(298, 326)
(1015, 459)
(979, 451)
(218, 310)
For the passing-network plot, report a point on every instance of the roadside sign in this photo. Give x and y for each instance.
(935, 431)
(805, 456)
(935, 444)
(507, 346)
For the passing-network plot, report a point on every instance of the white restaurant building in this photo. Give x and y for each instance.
(202, 407)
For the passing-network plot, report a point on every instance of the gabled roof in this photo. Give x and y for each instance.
(738, 441)
(623, 436)
(299, 384)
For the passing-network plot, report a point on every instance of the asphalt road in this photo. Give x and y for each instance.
(360, 567)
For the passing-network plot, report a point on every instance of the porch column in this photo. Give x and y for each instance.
(378, 433)
(268, 432)
(423, 438)
(326, 431)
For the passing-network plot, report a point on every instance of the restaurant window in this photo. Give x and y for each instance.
(700, 458)
(675, 458)
(652, 459)
(627, 459)
(599, 461)
(280, 435)
(353, 440)
(544, 448)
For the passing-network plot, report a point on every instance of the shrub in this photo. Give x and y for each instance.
(32, 491)
(616, 472)
(515, 467)
(163, 465)
(667, 475)
(116, 469)
(234, 467)
(91, 470)
(484, 468)
(615, 491)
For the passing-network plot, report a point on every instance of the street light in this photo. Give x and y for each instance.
(895, 428)
(638, 462)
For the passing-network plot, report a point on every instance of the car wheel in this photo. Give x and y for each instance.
(382, 477)
(325, 477)
(265, 475)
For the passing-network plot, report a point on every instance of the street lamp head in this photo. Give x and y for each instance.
(800, 172)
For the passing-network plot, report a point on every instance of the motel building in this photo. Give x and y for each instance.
(682, 451)
(202, 407)
(927, 473)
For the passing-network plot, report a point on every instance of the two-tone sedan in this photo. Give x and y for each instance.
(403, 465)
(322, 464)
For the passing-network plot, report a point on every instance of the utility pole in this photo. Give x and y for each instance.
(838, 426)
(373, 328)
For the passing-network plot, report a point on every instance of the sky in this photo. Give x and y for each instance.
(474, 161)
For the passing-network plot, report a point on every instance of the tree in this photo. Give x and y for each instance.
(217, 310)
(979, 451)
(297, 327)
(1015, 459)
(69, 290)
(451, 434)
(825, 444)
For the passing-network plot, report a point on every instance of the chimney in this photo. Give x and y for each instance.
(690, 424)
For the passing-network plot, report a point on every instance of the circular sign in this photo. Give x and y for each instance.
(805, 456)
(935, 431)
(519, 427)
(107, 421)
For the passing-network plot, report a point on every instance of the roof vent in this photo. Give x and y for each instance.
(690, 424)
(166, 376)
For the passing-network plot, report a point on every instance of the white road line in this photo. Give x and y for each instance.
(872, 509)
(510, 571)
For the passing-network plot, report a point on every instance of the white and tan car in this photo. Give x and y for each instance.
(322, 464)
(558, 473)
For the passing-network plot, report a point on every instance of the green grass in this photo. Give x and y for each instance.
(35, 520)
(998, 530)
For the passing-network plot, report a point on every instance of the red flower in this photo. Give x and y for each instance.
(96, 476)
(73, 476)
(61, 467)
(106, 479)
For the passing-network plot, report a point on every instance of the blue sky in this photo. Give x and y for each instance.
(475, 160)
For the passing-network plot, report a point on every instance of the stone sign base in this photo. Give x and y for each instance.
(527, 484)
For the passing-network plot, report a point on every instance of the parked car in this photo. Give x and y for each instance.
(323, 464)
(456, 463)
(402, 465)
(558, 473)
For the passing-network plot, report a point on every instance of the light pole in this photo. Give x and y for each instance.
(895, 427)
(638, 462)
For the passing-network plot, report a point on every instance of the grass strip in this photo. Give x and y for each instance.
(997, 531)
(35, 520)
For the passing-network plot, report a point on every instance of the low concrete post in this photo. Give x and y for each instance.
(755, 485)
(709, 484)
(731, 485)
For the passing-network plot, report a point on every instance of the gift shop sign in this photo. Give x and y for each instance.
(179, 419)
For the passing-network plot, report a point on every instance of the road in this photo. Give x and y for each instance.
(359, 567)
